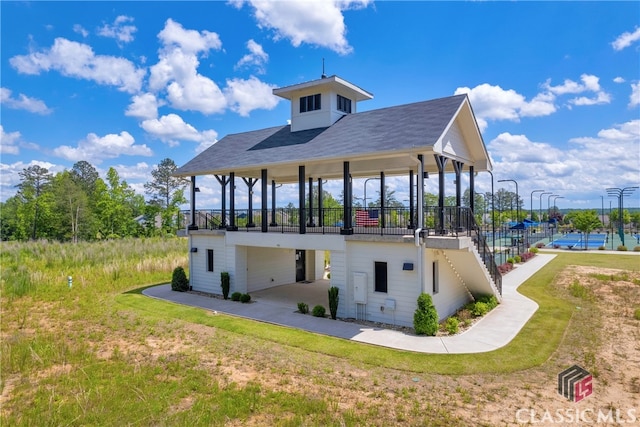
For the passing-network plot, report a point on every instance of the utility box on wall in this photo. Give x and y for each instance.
(360, 288)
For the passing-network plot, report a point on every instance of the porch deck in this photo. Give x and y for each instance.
(447, 221)
(453, 222)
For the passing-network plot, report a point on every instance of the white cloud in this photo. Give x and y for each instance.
(173, 65)
(139, 171)
(197, 93)
(77, 28)
(590, 83)
(172, 129)
(9, 175)
(176, 71)
(95, 149)
(608, 156)
(319, 23)
(209, 137)
(9, 142)
(78, 60)
(245, 96)
(618, 80)
(588, 164)
(626, 39)
(494, 103)
(12, 142)
(256, 57)
(143, 106)
(23, 102)
(119, 30)
(634, 98)
(188, 41)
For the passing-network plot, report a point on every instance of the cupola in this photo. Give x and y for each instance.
(321, 103)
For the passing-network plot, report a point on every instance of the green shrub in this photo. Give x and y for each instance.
(622, 248)
(636, 249)
(510, 260)
(534, 250)
(303, 308)
(517, 259)
(179, 281)
(636, 314)
(225, 284)
(452, 325)
(490, 300)
(236, 296)
(245, 298)
(479, 308)
(425, 318)
(601, 248)
(318, 311)
(333, 301)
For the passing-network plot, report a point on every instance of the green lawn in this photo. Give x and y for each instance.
(532, 347)
(100, 353)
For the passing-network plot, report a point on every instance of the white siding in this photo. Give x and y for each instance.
(403, 286)
(319, 265)
(310, 119)
(452, 293)
(259, 267)
(453, 142)
(267, 267)
(339, 280)
(239, 272)
(201, 279)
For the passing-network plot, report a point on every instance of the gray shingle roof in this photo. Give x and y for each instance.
(399, 128)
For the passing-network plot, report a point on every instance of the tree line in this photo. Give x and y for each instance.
(77, 204)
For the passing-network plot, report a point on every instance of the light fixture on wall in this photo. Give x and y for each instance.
(407, 266)
(194, 249)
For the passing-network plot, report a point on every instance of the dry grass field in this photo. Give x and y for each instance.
(94, 354)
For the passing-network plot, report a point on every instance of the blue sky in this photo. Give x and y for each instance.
(555, 86)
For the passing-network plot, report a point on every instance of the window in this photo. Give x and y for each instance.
(209, 259)
(344, 104)
(434, 277)
(380, 277)
(310, 103)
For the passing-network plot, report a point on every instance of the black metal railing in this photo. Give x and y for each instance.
(388, 221)
(447, 221)
(480, 240)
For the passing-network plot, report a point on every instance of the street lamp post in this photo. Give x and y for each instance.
(517, 209)
(620, 193)
(549, 203)
(493, 218)
(556, 198)
(549, 209)
(554, 205)
(517, 197)
(365, 191)
(531, 213)
(540, 207)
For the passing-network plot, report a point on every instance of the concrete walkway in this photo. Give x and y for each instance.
(493, 331)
